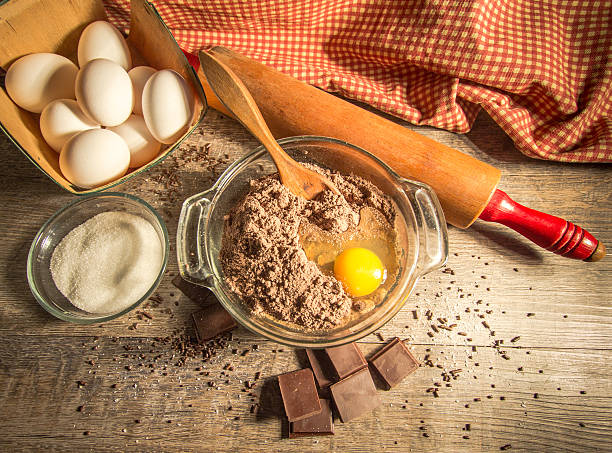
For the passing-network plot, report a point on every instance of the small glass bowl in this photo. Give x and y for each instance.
(61, 223)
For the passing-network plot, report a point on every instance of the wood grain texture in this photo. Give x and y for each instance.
(559, 309)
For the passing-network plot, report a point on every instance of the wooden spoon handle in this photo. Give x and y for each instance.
(237, 99)
(234, 95)
(550, 232)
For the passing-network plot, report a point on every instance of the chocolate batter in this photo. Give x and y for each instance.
(264, 263)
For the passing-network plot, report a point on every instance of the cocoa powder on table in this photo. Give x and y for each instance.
(264, 263)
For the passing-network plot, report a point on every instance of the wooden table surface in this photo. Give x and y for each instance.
(535, 357)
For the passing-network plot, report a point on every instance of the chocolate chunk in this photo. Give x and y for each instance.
(346, 359)
(212, 321)
(321, 367)
(394, 362)
(196, 293)
(355, 395)
(299, 394)
(321, 424)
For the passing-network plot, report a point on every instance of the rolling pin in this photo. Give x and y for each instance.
(465, 186)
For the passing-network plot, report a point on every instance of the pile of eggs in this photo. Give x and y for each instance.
(104, 116)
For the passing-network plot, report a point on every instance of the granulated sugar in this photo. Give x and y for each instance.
(107, 263)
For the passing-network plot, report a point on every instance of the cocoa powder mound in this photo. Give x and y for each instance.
(264, 263)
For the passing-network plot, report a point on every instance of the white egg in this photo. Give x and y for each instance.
(167, 105)
(104, 92)
(39, 78)
(61, 119)
(142, 145)
(101, 39)
(139, 76)
(93, 158)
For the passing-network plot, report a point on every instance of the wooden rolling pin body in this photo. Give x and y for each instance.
(462, 183)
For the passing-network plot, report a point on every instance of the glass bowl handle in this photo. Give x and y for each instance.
(192, 260)
(433, 235)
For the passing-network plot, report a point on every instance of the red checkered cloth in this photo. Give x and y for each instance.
(541, 68)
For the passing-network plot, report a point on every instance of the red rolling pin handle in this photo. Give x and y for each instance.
(550, 232)
(192, 59)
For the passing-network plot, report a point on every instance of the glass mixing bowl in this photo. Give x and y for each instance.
(419, 225)
(59, 225)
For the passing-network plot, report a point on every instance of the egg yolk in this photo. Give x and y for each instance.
(359, 270)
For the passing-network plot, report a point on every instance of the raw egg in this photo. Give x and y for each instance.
(94, 157)
(359, 270)
(143, 147)
(101, 39)
(139, 76)
(35, 80)
(104, 92)
(167, 105)
(61, 119)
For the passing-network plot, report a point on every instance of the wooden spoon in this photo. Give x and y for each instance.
(236, 97)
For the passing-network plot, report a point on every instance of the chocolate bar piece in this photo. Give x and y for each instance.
(355, 395)
(321, 367)
(394, 362)
(299, 394)
(212, 321)
(321, 424)
(196, 293)
(346, 359)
